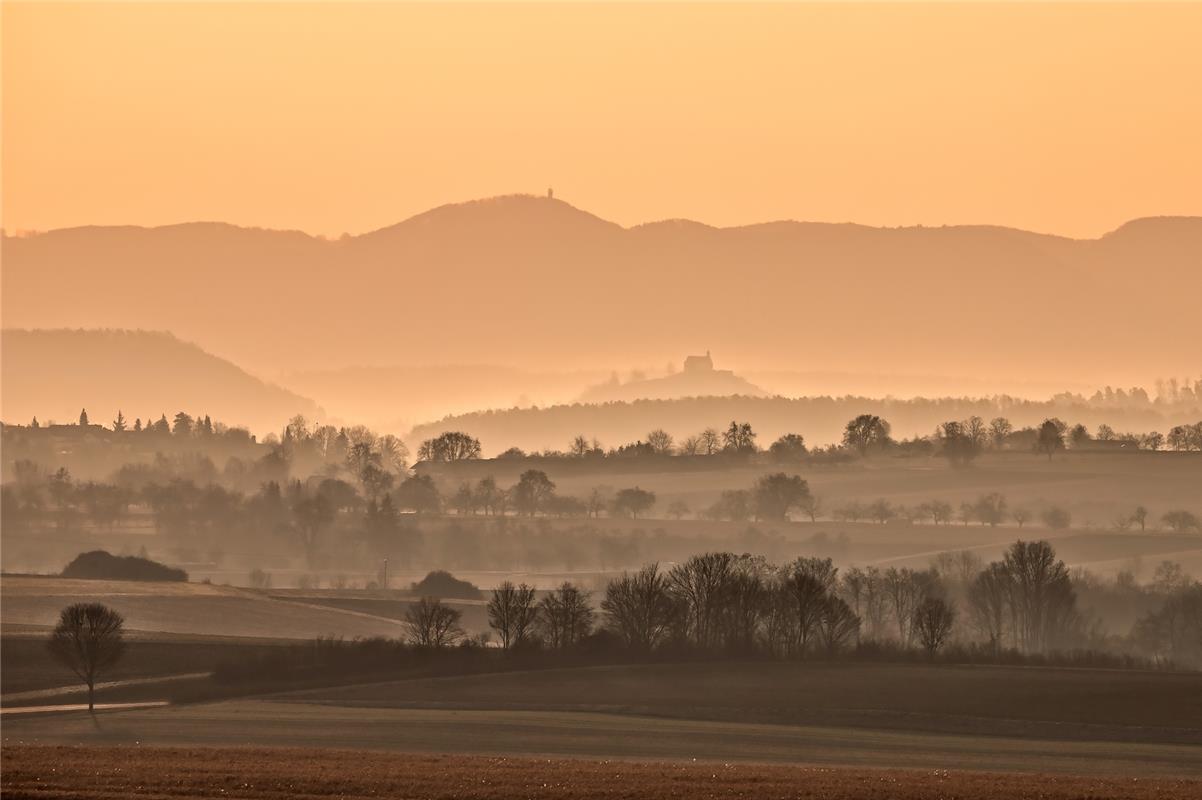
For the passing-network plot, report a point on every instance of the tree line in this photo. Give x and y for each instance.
(743, 605)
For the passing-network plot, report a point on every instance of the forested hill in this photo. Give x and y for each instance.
(819, 419)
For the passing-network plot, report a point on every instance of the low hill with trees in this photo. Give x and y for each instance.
(102, 565)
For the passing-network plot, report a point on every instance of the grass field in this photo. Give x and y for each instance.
(1049, 703)
(101, 773)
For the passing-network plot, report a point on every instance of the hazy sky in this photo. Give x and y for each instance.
(329, 118)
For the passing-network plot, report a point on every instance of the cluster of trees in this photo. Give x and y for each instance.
(959, 441)
(741, 604)
(374, 515)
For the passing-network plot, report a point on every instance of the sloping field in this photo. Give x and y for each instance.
(102, 772)
(26, 666)
(185, 608)
(587, 735)
(1049, 703)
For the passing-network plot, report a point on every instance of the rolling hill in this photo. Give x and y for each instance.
(52, 374)
(536, 282)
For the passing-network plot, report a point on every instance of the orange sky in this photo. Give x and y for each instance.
(327, 117)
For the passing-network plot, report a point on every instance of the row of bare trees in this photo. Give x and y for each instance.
(726, 603)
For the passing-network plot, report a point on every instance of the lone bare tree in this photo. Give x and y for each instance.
(511, 613)
(933, 623)
(88, 640)
(431, 624)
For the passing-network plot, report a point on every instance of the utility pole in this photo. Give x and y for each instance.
(385, 581)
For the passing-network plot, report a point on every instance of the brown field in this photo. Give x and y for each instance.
(1044, 702)
(107, 772)
(25, 666)
(32, 604)
(882, 716)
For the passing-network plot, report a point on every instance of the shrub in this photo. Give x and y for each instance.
(101, 565)
(441, 583)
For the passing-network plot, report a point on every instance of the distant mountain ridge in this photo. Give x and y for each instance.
(534, 281)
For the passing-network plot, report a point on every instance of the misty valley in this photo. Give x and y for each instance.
(600, 401)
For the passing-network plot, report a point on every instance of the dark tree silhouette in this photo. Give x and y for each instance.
(632, 502)
(88, 640)
(932, 623)
(565, 617)
(639, 608)
(419, 494)
(776, 495)
(532, 492)
(790, 447)
(431, 624)
(450, 446)
(1050, 437)
(866, 432)
(511, 613)
(957, 444)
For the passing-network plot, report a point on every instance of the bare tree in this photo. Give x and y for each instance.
(311, 515)
(837, 624)
(710, 441)
(449, 446)
(988, 603)
(1050, 437)
(933, 619)
(811, 506)
(661, 442)
(699, 585)
(805, 596)
(1041, 595)
(999, 430)
(678, 509)
(776, 494)
(866, 432)
(565, 617)
(632, 502)
(88, 639)
(431, 624)
(902, 588)
(511, 613)
(639, 608)
(488, 496)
